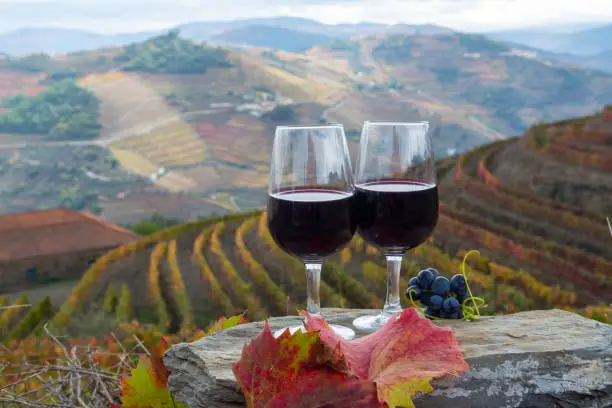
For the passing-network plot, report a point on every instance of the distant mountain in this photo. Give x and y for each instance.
(418, 29)
(278, 38)
(512, 89)
(60, 40)
(601, 61)
(208, 30)
(586, 42)
(205, 30)
(554, 28)
(304, 32)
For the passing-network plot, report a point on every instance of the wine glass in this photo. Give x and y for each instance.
(396, 199)
(310, 201)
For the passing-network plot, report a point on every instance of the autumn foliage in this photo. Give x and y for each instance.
(385, 369)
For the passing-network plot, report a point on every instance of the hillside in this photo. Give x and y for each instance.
(540, 247)
(507, 91)
(189, 117)
(589, 41)
(587, 47)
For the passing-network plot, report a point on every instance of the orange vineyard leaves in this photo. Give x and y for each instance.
(147, 386)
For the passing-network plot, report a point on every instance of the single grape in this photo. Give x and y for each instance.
(435, 313)
(445, 315)
(457, 284)
(416, 292)
(451, 305)
(462, 292)
(425, 278)
(441, 286)
(434, 271)
(413, 281)
(435, 303)
(425, 297)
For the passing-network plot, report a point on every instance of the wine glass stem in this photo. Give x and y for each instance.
(313, 282)
(392, 302)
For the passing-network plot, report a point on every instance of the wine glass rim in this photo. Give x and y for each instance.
(419, 123)
(309, 126)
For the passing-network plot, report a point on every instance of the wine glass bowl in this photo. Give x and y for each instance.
(396, 199)
(310, 200)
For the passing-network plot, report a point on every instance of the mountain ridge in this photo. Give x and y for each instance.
(578, 46)
(278, 38)
(62, 40)
(582, 43)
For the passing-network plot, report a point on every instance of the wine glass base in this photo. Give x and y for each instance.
(344, 332)
(371, 323)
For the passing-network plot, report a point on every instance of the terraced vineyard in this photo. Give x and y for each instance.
(174, 144)
(537, 252)
(143, 131)
(13, 83)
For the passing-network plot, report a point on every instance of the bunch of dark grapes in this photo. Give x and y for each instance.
(440, 296)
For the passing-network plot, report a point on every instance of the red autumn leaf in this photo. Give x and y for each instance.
(160, 372)
(401, 358)
(291, 371)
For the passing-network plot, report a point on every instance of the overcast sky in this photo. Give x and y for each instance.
(137, 15)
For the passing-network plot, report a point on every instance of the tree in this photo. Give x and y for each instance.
(282, 113)
(64, 111)
(171, 54)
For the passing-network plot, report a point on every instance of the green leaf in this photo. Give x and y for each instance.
(147, 387)
(141, 390)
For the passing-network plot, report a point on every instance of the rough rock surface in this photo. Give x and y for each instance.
(530, 359)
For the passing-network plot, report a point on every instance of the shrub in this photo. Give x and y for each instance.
(42, 312)
(110, 300)
(124, 307)
(64, 110)
(282, 113)
(171, 54)
(11, 313)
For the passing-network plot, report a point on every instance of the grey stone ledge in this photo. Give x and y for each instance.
(549, 358)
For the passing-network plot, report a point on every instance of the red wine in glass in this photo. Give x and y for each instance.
(396, 214)
(310, 201)
(396, 199)
(311, 223)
